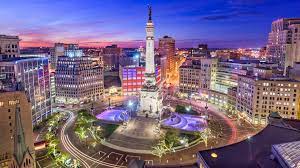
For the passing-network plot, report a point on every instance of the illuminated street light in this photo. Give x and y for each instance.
(188, 108)
(214, 155)
(130, 103)
(184, 141)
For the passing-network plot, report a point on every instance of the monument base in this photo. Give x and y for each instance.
(140, 134)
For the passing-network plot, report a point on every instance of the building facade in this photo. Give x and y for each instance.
(284, 42)
(78, 79)
(33, 74)
(227, 75)
(11, 103)
(200, 52)
(133, 78)
(166, 49)
(60, 49)
(9, 46)
(257, 98)
(198, 77)
(111, 56)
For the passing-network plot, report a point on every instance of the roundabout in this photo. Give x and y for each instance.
(111, 152)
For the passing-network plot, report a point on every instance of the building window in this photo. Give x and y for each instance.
(13, 102)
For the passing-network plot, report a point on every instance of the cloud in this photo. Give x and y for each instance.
(235, 9)
(230, 15)
(246, 2)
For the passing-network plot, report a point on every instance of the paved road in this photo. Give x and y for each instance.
(102, 156)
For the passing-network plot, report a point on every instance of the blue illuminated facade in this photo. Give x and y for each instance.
(33, 74)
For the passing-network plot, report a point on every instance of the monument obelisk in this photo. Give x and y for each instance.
(150, 96)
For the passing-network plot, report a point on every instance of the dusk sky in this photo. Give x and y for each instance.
(220, 23)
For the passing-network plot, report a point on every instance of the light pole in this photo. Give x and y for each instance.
(92, 108)
(130, 104)
(206, 110)
(109, 103)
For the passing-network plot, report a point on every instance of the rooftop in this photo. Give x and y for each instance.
(254, 151)
(20, 59)
(283, 79)
(288, 153)
(9, 37)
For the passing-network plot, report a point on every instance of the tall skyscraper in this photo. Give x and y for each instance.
(167, 49)
(78, 79)
(284, 42)
(33, 74)
(16, 141)
(9, 46)
(150, 98)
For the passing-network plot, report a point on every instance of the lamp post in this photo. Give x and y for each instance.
(109, 103)
(130, 104)
(92, 108)
(137, 56)
(206, 110)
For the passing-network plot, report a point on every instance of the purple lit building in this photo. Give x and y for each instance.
(33, 74)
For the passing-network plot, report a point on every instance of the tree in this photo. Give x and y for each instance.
(204, 135)
(172, 138)
(49, 136)
(159, 150)
(81, 133)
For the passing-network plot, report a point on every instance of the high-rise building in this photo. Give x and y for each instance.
(257, 97)
(111, 55)
(167, 49)
(78, 79)
(33, 74)
(60, 49)
(9, 46)
(16, 149)
(198, 76)
(284, 42)
(150, 95)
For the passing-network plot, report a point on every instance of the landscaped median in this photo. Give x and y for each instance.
(90, 133)
(174, 140)
(61, 158)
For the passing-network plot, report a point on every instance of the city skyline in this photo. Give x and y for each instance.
(220, 23)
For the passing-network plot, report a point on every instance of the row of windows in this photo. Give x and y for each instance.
(10, 102)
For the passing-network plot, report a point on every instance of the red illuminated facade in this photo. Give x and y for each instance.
(132, 78)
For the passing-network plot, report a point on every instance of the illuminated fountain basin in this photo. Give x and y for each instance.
(113, 116)
(185, 122)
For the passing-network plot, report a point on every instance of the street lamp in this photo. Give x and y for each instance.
(109, 103)
(206, 111)
(188, 108)
(137, 56)
(130, 104)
